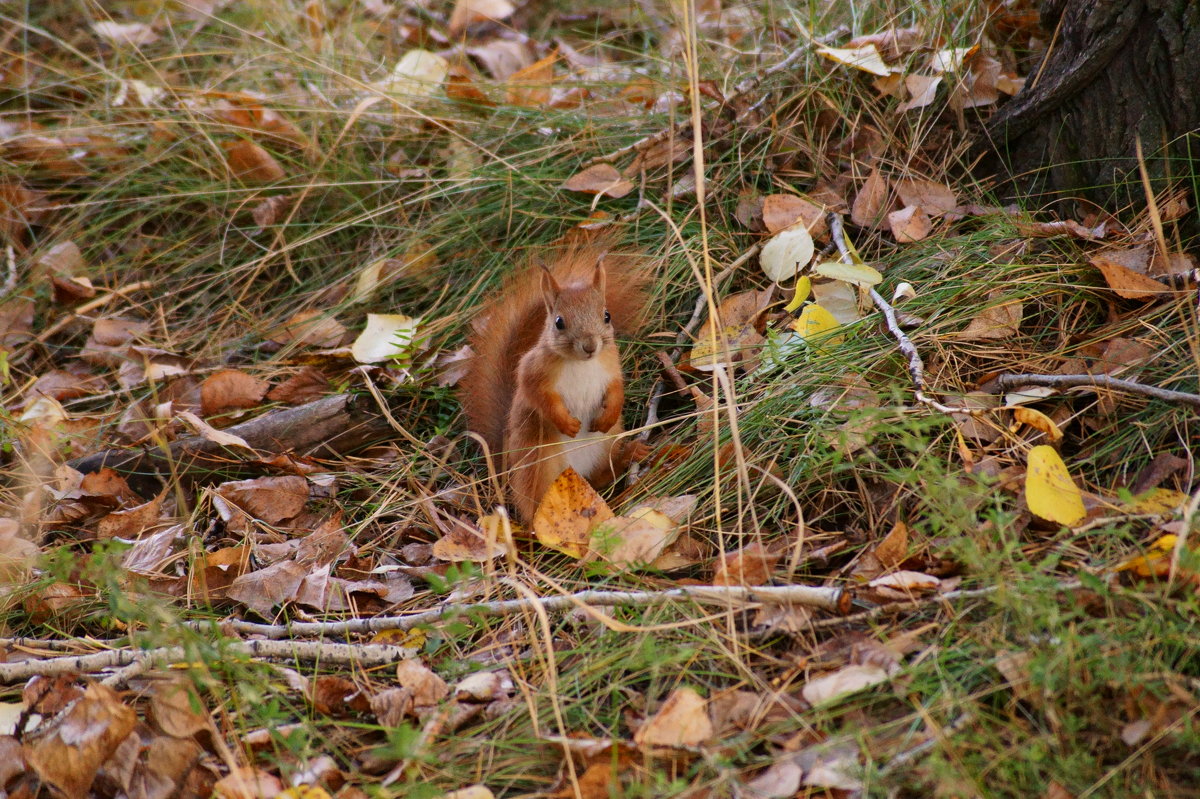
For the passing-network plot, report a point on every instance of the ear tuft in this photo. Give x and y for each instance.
(600, 278)
(550, 289)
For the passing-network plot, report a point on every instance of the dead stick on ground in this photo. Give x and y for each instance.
(916, 366)
(322, 651)
(822, 597)
(1010, 381)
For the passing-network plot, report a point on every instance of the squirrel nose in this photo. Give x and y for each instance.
(589, 346)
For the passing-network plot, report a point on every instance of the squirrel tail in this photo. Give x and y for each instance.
(510, 325)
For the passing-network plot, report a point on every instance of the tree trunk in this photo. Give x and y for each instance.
(1115, 70)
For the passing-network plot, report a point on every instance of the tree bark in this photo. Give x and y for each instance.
(1115, 70)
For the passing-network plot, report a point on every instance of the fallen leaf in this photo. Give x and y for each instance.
(306, 385)
(1038, 421)
(903, 584)
(893, 549)
(309, 328)
(599, 179)
(1049, 490)
(844, 681)
(635, 540)
(840, 299)
(787, 253)
(997, 321)
(816, 323)
(262, 590)
(909, 224)
(247, 782)
(68, 756)
(681, 721)
(781, 211)
(866, 58)
(133, 34)
(753, 564)
(922, 89)
(210, 433)
(871, 201)
(1126, 282)
(478, 544)
(231, 389)
(529, 87)
(270, 499)
(418, 73)
(568, 513)
(935, 198)
(251, 163)
(854, 274)
(386, 337)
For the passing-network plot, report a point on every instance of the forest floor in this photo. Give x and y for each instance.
(862, 559)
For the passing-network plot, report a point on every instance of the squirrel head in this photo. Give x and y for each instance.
(578, 324)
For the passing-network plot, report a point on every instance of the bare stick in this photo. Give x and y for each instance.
(916, 366)
(320, 651)
(822, 597)
(1011, 381)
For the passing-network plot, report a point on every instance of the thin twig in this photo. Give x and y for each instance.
(823, 597)
(916, 366)
(322, 651)
(1011, 381)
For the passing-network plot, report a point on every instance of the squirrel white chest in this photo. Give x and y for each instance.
(582, 385)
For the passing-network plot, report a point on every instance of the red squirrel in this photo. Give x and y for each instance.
(544, 386)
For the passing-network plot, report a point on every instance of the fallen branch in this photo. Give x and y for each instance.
(1007, 382)
(128, 659)
(916, 366)
(822, 597)
(328, 426)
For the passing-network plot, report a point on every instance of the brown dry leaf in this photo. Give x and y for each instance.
(750, 565)
(468, 12)
(176, 708)
(502, 58)
(781, 211)
(1068, 227)
(1127, 283)
(568, 513)
(247, 782)
(271, 210)
(871, 201)
(69, 755)
(130, 523)
(306, 385)
(20, 207)
(250, 163)
(311, 329)
(976, 426)
(1001, 321)
(909, 224)
(262, 590)
(681, 721)
(893, 549)
(479, 543)
(1055, 790)
(935, 198)
(16, 317)
(231, 389)
(17, 555)
(922, 90)
(248, 112)
(271, 499)
(529, 87)
(844, 681)
(338, 697)
(892, 44)
(150, 553)
(599, 179)
(903, 585)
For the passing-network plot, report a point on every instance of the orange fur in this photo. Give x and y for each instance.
(526, 376)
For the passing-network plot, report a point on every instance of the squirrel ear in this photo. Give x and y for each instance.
(550, 288)
(601, 276)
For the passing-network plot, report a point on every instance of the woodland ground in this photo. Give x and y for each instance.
(202, 202)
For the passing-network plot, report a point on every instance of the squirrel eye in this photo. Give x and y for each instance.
(607, 318)
(559, 323)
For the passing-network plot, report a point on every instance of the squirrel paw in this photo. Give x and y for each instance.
(637, 451)
(604, 423)
(569, 427)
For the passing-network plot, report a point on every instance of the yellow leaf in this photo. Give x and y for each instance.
(803, 289)
(1155, 562)
(815, 321)
(856, 274)
(1038, 421)
(1159, 501)
(1049, 490)
(568, 513)
(866, 58)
